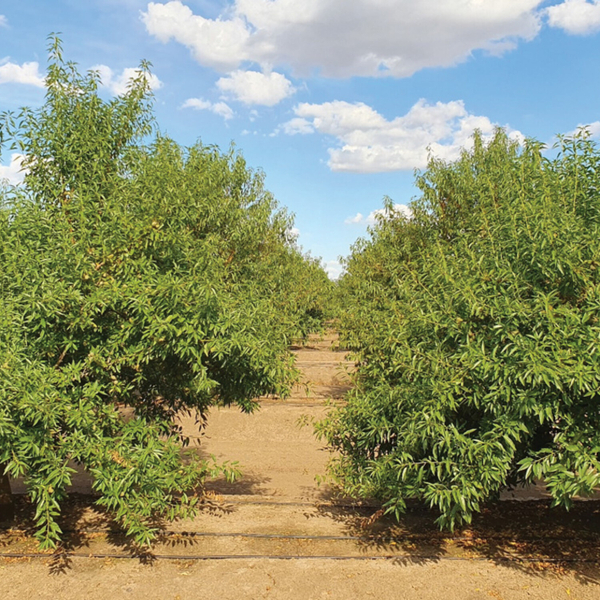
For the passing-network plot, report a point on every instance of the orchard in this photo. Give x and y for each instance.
(141, 280)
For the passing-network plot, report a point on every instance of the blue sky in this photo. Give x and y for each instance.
(338, 101)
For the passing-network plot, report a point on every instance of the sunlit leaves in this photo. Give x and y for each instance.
(475, 328)
(138, 279)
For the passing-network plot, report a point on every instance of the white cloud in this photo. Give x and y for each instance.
(397, 209)
(12, 172)
(218, 108)
(333, 268)
(578, 17)
(294, 232)
(118, 84)
(3, 21)
(219, 43)
(254, 87)
(338, 38)
(298, 125)
(593, 128)
(359, 218)
(27, 73)
(369, 143)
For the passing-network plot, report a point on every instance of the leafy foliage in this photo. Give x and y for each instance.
(138, 279)
(475, 327)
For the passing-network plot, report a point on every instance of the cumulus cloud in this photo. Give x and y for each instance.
(400, 209)
(13, 173)
(220, 43)
(218, 108)
(369, 143)
(338, 38)
(297, 126)
(578, 17)
(357, 218)
(27, 73)
(117, 84)
(592, 128)
(333, 268)
(371, 219)
(254, 87)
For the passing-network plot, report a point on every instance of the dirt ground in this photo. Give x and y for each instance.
(276, 533)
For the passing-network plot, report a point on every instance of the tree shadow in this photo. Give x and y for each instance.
(333, 391)
(412, 540)
(533, 536)
(78, 516)
(303, 346)
(248, 485)
(528, 536)
(88, 528)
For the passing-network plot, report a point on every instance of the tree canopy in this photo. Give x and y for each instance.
(138, 279)
(475, 328)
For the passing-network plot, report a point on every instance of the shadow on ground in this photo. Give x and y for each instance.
(527, 536)
(248, 485)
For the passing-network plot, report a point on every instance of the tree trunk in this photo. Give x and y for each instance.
(7, 506)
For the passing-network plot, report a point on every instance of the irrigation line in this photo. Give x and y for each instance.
(412, 509)
(367, 538)
(305, 402)
(208, 557)
(225, 501)
(301, 401)
(205, 534)
(362, 538)
(323, 363)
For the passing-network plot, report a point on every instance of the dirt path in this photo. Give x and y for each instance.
(277, 534)
(280, 458)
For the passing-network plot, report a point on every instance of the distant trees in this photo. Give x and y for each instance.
(137, 279)
(475, 327)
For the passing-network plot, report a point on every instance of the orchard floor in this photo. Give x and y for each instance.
(276, 533)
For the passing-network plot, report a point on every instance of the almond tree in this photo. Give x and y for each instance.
(476, 325)
(138, 279)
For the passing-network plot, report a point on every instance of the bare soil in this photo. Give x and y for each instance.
(277, 533)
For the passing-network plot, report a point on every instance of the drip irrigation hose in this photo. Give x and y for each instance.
(207, 557)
